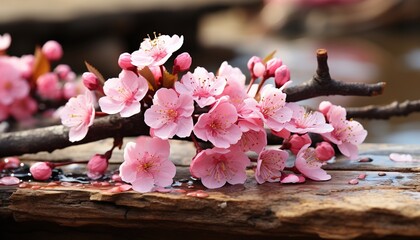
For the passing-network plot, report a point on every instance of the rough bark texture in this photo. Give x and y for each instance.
(378, 206)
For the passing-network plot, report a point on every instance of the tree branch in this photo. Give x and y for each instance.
(321, 84)
(386, 111)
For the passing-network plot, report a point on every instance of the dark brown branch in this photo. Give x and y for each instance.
(56, 137)
(321, 84)
(385, 111)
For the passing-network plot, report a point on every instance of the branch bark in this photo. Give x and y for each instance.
(386, 111)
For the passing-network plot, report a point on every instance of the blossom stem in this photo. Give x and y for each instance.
(250, 84)
(196, 144)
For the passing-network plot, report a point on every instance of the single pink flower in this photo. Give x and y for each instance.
(146, 164)
(52, 50)
(23, 109)
(182, 63)
(78, 114)
(273, 107)
(12, 85)
(347, 134)
(252, 141)
(324, 151)
(124, 61)
(170, 114)
(157, 51)
(97, 166)
(123, 94)
(297, 141)
(217, 166)
(309, 165)
(41, 170)
(49, 86)
(218, 125)
(270, 163)
(202, 85)
(304, 122)
(5, 41)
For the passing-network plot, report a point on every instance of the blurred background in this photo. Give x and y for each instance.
(367, 40)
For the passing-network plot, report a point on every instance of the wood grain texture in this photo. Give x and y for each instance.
(378, 206)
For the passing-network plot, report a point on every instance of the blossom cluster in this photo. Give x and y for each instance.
(27, 84)
(217, 108)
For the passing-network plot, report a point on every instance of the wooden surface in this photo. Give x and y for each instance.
(379, 206)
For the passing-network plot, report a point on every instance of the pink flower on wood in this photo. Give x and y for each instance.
(218, 125)
(170, 114)
(270, 163)
(304, 122)
(273, 107)
(347, 134)
(78, 114)
(5, 41)
(309, 165)
(123, 94)
(157, 51)
(12, 85)
(249, 115)
(146, 164)
(217, 166)
(202, 85)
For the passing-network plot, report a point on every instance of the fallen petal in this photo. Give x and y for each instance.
(9, 180)
(397, 157)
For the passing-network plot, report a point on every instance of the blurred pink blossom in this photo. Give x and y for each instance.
(52, 50)
(12, 85)
(23, 109)
(49, 86)
(270, 163)
(146, 164)
(5, 41)
(78, 114)
(123, 94)
(217, 166)
(157, 51)
(170, 114)
(202, 85)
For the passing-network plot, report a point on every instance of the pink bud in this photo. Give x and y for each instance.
(124, 61)
(64, 72)
(281, 75)
(90, 81)
(41, 171)
(259, 69)
(182, 63)
(27, 65)
(298, 141)
(324, 107)
(324, 151)
(252, 61)
(48, 86)
(11, 162)
(52, 50)
(70, 90)
(272, 66)
(97, 166)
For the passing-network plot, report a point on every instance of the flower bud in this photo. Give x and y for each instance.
(124, 61)
(259, 69)
(70, 90)
(90, 81)
(41, 171)
(324, 107)
(11, 162)
(272, 65)
(97, 166)
(64, 72)
(182, 63)
(281, 76)
(52, 50)
(298, 141)
(49, 87)
(324, 151)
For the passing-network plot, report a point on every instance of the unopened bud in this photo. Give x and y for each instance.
(97, 166)
(182, 63)
(124, 61)
(52, 50)
(272, 66)
(324, 151)
(281, 76)
(41, 171)
(298, 141)
(90, 81)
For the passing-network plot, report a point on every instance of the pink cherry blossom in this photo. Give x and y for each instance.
(269, 164)
(146, 164)
(157, 51)
(273, 107)
(23, 109)
(123, 94)
(97, 166)
(12, 85)
(49, 86)
(202, 85)
(5, 41)
(252, 141)
(52, 50)
(309, 165)
(217, 166)
(78, 114)
(218, 125)
(304, 122)
(41, 170)
(249, 116)
(347, 134)
(170, 114)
